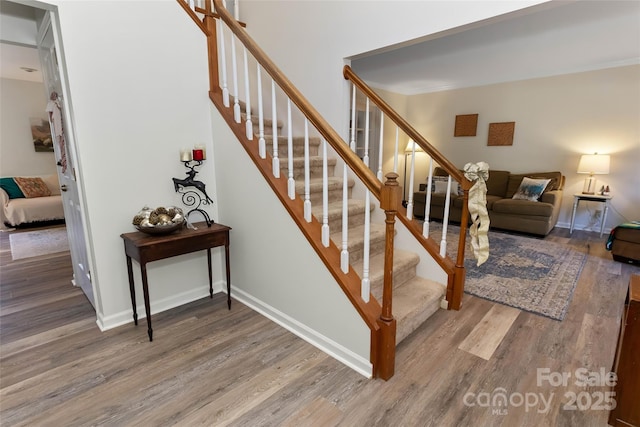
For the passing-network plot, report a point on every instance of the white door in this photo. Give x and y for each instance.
(64, 148)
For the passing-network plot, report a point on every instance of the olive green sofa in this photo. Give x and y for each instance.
(525, 216)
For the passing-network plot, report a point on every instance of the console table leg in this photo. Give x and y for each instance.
(210, 273)
(147, 307)
(132, 290)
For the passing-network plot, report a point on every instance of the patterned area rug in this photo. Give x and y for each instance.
(535, 275)
(40, 242)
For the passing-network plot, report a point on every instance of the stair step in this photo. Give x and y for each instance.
(355, 244)
(404, 269)
(413, 303)
(298, 145)
(315, 167)
(334, 185)
(355, 210)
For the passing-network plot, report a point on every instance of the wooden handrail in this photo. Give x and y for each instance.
(325, 129)
(407, 128)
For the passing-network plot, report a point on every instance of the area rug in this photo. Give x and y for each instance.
(40, 242)
(532, 274)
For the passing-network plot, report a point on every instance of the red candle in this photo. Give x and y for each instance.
(198, 154)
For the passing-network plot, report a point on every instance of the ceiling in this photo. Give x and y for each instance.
(545, 40)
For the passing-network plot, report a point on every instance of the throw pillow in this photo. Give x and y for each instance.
(33, 187)
(439, 185)
(531, 189)
(13, 191)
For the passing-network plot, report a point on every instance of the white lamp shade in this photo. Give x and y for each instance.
(594, 164)
(410, 145)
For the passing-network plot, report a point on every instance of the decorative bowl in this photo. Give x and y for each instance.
(161, 220)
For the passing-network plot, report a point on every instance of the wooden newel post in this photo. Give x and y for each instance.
(212, 48)
(389, 201)
(455, 299)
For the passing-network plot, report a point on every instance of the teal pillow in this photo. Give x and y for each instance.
(12, 189)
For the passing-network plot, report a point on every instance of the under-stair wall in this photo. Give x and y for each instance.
(274, 270)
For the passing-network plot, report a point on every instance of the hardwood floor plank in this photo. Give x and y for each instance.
(489, 333)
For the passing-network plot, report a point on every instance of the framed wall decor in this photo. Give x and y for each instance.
(501, 133)
(41, 134)
(466, 125)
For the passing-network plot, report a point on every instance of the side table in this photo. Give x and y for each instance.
(145, 248)
(578, 197)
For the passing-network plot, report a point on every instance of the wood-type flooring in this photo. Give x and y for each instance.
(210, 366)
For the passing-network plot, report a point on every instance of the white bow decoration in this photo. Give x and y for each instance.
(478, 172)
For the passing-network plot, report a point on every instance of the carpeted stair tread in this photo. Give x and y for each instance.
(315, 166)
(334, 186)
(355, 245)
(355, 210)
(413, 303)
(297, 143)
(404, 268)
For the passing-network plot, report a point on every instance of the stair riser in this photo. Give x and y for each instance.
(335, 222)
(376, 246)
(315, 171)
(298, 146)
(400, 276)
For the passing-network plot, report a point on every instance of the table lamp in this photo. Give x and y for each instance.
(593, 164)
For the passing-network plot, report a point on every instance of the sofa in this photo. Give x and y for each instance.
(526, 213)
(30, 199)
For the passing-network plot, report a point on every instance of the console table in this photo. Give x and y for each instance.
(591, 198)
(145, 248)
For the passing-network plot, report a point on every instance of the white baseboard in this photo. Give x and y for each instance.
(327, 345)
(124, 317)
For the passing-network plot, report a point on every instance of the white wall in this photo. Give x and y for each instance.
(557, 119)
(138, 80)
(313, 38)
(19, 101)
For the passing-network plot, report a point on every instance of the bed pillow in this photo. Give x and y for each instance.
(11, 188)
(531, 189)
(33, 187)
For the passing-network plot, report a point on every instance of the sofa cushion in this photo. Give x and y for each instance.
(497, 183)
(10, 186)
(516, 179)
(523, 207)
(32, 187)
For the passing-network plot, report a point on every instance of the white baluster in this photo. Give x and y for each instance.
(352, 144)
(262, 146)
(291, 183)
(247, 94)
(236, 10)
(275, 163)
(234, 67)
(223, 64)
(192, 5)
(445, 219)
(325, 196)
(395, 154)
(380, 148)
(365, 287)
(307, 178)
(365, 159)
(412, 173)
(344, 253)
(427, 202)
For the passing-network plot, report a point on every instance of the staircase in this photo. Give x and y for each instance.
(380, 280)
(415, 298)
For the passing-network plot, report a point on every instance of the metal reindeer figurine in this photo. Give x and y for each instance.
(191, 197)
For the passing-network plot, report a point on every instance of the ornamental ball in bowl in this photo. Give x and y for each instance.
(161, 220)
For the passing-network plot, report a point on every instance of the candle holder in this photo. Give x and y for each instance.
(191, 197)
